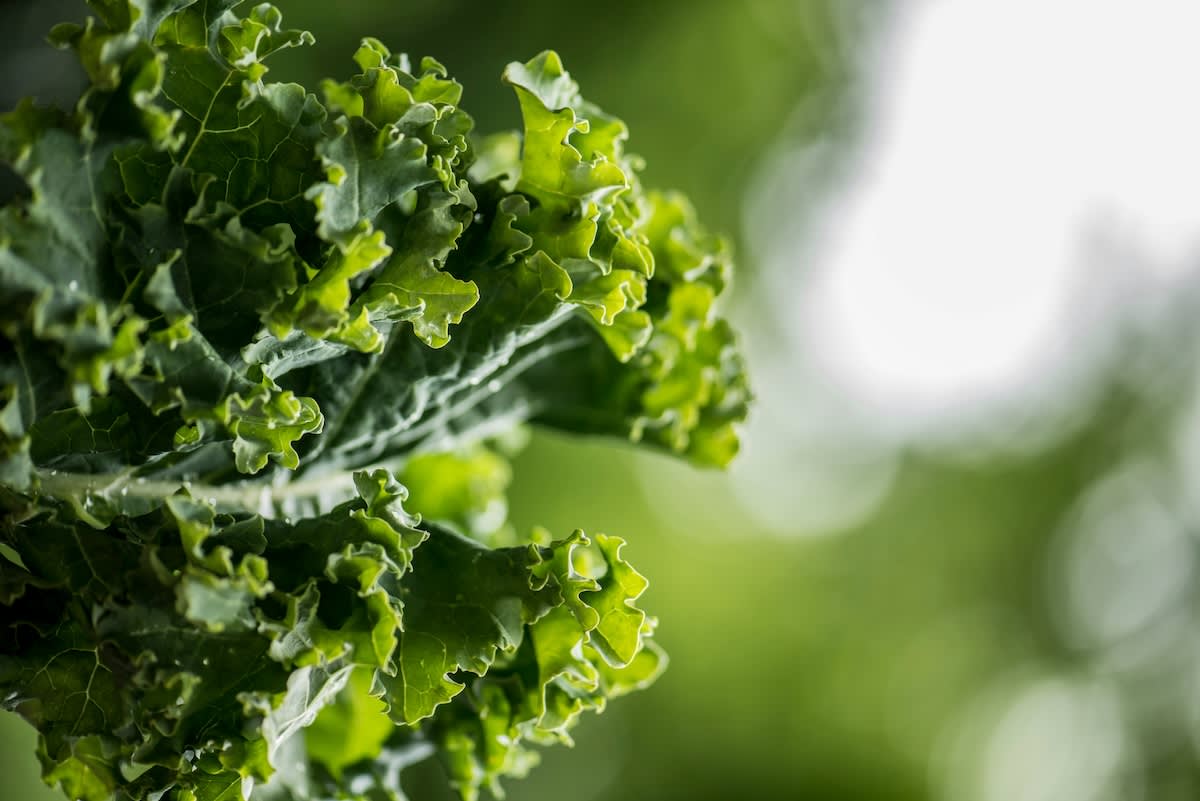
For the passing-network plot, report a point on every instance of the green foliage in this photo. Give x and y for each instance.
(232, 311)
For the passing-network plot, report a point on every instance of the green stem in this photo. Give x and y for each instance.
(250, 496)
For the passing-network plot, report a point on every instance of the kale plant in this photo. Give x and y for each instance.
(238, 320)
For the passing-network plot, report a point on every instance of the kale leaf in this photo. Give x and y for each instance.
(233, 313)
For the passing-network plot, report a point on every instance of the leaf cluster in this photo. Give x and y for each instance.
(228, 305)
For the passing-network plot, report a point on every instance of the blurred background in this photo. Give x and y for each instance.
(959, 559)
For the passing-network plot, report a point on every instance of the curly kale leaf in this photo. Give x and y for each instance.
(232, 309)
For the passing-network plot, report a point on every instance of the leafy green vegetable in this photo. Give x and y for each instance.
(232, 313)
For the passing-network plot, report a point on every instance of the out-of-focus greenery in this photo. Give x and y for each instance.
(857, 666)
